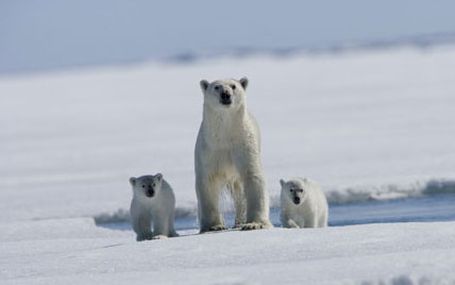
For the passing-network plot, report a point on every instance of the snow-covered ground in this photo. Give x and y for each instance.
(367, 125)
(75, 251)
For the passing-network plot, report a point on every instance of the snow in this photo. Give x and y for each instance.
(280, 256)
(365, 125)
(373, 122)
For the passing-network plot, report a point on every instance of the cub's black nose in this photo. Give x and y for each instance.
(296, 200)
(150, 193)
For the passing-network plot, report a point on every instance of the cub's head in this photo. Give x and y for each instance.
(224, 94)
(294, 190)
(147, 185)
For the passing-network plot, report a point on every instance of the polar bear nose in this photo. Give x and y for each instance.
(296, 200)
(150, 192)
(226, 98)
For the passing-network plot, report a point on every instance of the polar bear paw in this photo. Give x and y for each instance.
(215, 228)
(255, 226)
(144, 236)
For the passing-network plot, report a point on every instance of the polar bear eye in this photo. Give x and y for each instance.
(153, 184)
(233, 87)
(143, 186)
(292, 190)
(217, 87)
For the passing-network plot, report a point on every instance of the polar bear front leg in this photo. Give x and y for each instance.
(257, 200)
(286, 220)
(164, 228)
(141, 222)
(239, 203)
(208, 192)
(310, 222)
(160, 225)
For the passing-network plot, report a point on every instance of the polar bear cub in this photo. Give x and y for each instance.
(153, 202)
(228, 154)
(303, 204)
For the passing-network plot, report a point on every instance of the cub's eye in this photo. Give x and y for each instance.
(292, 190)
(233, 87)
(153, 184)
(217, 87)
(143, 186)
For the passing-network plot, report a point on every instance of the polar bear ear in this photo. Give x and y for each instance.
(132, 181)
(159, 176)
(204, 85)
(244, 82)
(282, 182)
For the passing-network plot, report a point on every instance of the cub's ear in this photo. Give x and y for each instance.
(159, 177)
(204, 85)
(244, 82)
(132, 181)
(282, 182)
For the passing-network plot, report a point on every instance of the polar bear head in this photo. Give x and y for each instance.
(294, 189)
(226, 94)
(146, 186)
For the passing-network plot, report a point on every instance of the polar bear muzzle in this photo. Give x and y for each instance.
(149, 191)
(297, 195)
(225, 94)
(226, 98)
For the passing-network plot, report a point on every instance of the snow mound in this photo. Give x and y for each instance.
(391, 191)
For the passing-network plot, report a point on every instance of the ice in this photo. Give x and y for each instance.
(76, 251)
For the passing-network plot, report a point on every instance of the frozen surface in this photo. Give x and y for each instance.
(366, 126)
(75, 251)
(371, 127)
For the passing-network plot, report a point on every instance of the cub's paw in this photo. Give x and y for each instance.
(255, 226)
(160, 237)
(292, 225)
(146, 236)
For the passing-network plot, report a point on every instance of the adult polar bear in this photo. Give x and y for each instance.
(228, 154)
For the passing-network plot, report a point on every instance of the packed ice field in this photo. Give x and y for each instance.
(375, 128)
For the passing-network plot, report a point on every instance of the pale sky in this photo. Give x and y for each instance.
(40, 34)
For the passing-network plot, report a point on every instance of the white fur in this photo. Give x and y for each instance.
(159, 209)
(227, 154)
(313, 210)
